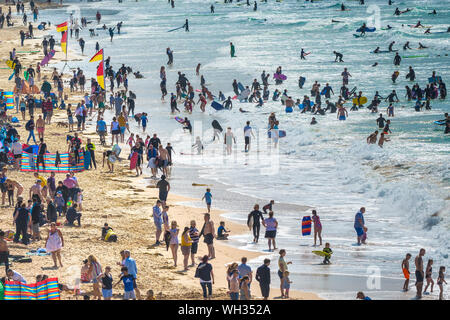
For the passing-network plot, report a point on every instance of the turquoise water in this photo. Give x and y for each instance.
(328, 167)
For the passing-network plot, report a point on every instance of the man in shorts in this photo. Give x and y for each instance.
(101, 129)
(419, 273)
(248, 132)
(164, 188)
(209, 235)
(359, 225)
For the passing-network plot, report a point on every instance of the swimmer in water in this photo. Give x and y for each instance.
(372, 139)
(313, 121)
(421, 46)
(382, 140)
(376, 50)
(342, 113)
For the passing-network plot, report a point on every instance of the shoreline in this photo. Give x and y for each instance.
(130, 190)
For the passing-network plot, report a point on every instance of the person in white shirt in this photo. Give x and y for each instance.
(15, 276)
(16, 149)
(248, 132)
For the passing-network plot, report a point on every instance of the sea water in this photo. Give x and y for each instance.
(329, 167)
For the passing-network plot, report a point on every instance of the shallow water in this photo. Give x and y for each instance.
(329, 166)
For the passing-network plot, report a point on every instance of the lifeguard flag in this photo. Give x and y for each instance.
(98, 56)
(101, 75)
(61, 27)
(64, 42)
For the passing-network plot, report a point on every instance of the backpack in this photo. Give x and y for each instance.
(28, 126)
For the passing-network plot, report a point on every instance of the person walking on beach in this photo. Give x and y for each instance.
(419, 273)
(208, 199)
(206, 275)
(317, 227)
(131, 266)
(4, 250)
(95, 269)
(282, 268)
(256, 216)
(263, 277)
(406, 273)
(208, 233)
(359, 225)
(157, 220)
(186, 243)
(271, 225)
(54, 244)
(440, 282)
(428, 276)
(194, 235)
(174, 241)
(164, 188)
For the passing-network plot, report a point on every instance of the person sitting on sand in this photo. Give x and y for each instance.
(222, 232)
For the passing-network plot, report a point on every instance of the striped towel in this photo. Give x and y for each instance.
(28, 163)
(44, 290)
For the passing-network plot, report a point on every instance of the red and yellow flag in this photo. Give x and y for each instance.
(61, 27)
(101, 75)
(98, 56)
(64, 42)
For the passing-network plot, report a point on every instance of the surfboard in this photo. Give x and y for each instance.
(321, 253)
(250, 222)
(383, 51)
(217, 105)
(301, 106)
(241, 87)
(281, 134)
(87, 160)
(306, 226)
(47, 58)
(10, 64)
(362, 100)
(324, 91)
(367, 29)
(279, 76)
(302, 81)
(244, 94)
(439, 122)
(435, 79)
(358, 35)
(176, 29)
(180, 120)
(133, 160)
(416, 56)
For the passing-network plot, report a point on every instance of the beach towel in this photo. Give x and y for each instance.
(44, 290)
(29, 163)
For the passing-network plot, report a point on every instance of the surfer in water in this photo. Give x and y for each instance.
(377, 50)
(186, 25)
(390, 46)
(421, 46)
(338, 56)
(418, 25)
(302, 55)
(342, 7)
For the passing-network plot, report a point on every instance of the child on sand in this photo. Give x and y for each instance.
(150, 295)
(406, 273)
(208, 199)
(327, 249)
(286, 284)
(128, 281)
(221, 235)
(440, 281)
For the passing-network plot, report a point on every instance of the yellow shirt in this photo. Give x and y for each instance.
(122, 122)
(43, 181)
(184, 243)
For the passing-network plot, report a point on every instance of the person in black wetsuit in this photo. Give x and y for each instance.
(212, 8)
(235, 87)
(406, 46)
(228, 104)
(338, 56)
(397, 59)
(381, 121)
(391, 45)
(257, 217)
(411, 74)
(22, 220)
(186, 25)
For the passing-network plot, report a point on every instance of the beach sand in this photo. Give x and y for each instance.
(122, 200)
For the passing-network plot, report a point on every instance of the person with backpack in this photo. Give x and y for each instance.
(29, 126)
